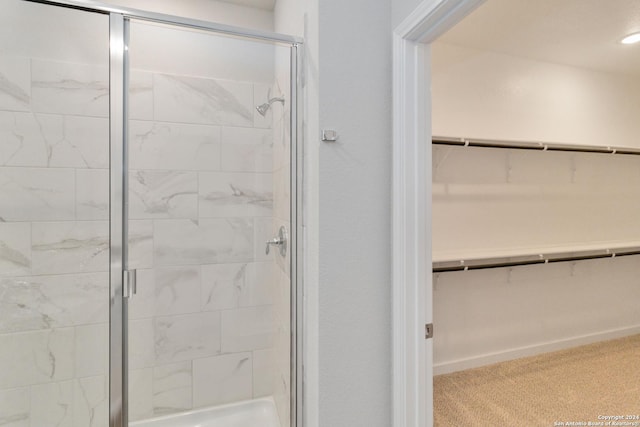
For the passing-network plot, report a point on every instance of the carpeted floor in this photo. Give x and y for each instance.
(575, 385)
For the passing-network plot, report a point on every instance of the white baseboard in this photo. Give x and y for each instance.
(532, 350)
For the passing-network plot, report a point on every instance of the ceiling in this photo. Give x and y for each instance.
(257, 4)
(582, 33)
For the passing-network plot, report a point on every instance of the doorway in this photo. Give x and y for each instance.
(413, 64)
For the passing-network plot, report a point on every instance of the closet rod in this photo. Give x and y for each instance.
(479, 264)
(535, 146)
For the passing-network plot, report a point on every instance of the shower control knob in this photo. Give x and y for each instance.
(280, 240)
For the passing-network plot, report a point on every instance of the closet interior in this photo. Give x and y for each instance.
(536, 180)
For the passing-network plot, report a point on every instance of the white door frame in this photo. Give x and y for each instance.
(411, 280)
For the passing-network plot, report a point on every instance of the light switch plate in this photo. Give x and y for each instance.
(329, 135)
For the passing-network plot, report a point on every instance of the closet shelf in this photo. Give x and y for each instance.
(445, 262)
(534, 146)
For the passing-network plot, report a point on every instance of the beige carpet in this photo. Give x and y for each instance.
(575, 385)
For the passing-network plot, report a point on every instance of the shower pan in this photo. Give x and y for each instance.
(143, 179)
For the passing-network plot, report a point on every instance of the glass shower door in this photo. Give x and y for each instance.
(54, 216)
(209, 186)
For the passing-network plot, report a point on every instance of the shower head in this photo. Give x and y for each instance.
(263, 108)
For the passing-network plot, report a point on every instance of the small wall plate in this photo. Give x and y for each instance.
(329, 135)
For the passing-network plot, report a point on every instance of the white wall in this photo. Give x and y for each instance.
(487, 316)
(67, 46)
(160, 47)
(492, 202)
(289, 17)
(496, 201)
(209, 55)
(206, 10)
(401, 9)
(347, 214)
(483, 94)
(355, 175)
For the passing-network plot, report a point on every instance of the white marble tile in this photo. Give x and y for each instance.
(163, 194)
(70, 247)
(224, 194)
(282, 194)
(198, 100)
(177, 290)
(52, 404)
(44, 302)
(92, 194)
(140, 95)
(84, 143)
(69, 88)
(91, 402)
(282, 375)
(222, 285)
(283, 262)
(260, 291)
(142, 305)
(36, 357)
(140, 244)
(281, 146)
(92, 350)
(206, 241)
(263, 230)
(30, 194)
(186, 337)
(172, 388)
(15, 249)
(222, 379)
(173, 146)
(281, 288)
(15, 84)
(282, 134)
(246, 150)
(141, 343)
(27, 138)
(245, 329)
(227, 286)
(264, 372)
(282, 399)
(140, 394)
(14, 408)
(48, 140)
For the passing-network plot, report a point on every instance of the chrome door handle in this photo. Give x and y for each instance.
(129, 283)
(280, 240)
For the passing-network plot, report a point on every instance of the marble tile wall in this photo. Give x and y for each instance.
(203, 323)
(205, 195)
(54, 243)
(280, 376)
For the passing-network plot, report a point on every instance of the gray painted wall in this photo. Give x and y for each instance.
(354, 287)
(402, 9)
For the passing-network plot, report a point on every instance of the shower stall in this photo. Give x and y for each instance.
(149, 220)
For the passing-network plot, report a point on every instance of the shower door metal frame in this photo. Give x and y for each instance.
(119, 19)
(130, 13)
(296, 218)
(118, 328)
